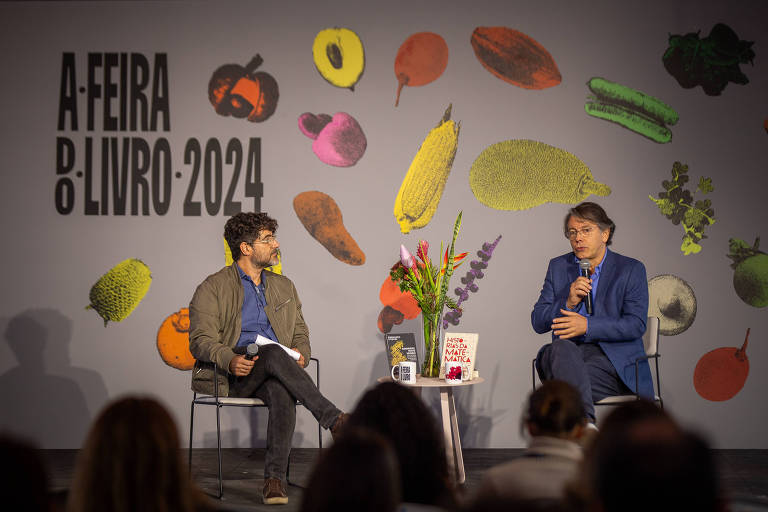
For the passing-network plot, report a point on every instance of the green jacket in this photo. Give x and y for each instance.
(215, 322)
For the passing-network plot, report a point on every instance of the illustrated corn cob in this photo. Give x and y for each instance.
(423, 185)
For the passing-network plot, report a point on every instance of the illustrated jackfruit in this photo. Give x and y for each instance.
(339, 56)
(117, 293)
(422, 187)
(521, 174)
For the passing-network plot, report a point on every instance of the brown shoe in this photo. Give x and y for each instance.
(338, 426)
(274, 493)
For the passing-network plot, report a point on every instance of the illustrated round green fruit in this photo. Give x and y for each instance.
(119, 291)
(750, 280)
(750, 271)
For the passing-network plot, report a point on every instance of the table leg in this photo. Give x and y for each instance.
(445, 399)
(460, 475)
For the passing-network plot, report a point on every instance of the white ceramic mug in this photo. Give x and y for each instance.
(453, 373)
(406, 372)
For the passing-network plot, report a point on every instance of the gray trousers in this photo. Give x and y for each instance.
(584, 366)
(279, 381)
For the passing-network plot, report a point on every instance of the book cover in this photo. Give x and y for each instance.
(401, 347)
(459, 348)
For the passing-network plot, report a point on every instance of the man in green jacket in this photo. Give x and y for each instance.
(227, 312)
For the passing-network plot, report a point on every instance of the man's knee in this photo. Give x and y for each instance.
(559, 346)
(277, 394)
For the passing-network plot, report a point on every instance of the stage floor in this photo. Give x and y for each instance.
(744, 474)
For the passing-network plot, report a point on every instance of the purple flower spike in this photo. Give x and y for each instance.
(475, 272)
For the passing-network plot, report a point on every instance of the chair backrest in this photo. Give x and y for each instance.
(651, 336)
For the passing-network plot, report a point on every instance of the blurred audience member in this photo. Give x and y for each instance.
(131, 462)
(24, 480)
(359, 472)
(555, 420)
(642, 460)
(400, 416)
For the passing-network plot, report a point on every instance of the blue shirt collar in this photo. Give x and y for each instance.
(243, 275)
(599, 267)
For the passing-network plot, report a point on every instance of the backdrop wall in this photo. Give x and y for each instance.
(146, 73)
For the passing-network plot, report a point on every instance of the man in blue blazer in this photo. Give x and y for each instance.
(595, 353)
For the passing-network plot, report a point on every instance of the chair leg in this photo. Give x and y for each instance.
(191, 426)
(218, 443)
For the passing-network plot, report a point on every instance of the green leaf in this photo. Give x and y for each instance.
(705, 185)
(689, 247)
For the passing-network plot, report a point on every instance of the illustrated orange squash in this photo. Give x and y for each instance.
(173, 341)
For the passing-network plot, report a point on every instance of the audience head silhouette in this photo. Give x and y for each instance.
(643, 460)
(131, 461)
(395, 412)
(555, 410)
(359, 472)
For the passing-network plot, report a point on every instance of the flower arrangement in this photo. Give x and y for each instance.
(429, 285)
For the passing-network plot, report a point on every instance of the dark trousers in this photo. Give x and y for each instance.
(279, 381)
(584, 366)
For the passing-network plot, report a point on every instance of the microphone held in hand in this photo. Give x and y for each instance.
(584, 271)
(251, 351)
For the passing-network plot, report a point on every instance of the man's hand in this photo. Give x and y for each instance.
(570, 325)
(240, 366)
(579, 289)
(301, 361)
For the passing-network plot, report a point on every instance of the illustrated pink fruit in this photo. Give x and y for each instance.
(338, 140)
(721, 373)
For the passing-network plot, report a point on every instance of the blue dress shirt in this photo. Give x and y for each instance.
(254, 318)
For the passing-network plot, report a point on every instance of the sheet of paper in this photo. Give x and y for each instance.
(261, 341)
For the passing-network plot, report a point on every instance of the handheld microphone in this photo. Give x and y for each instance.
(584, 271)
(251, 351)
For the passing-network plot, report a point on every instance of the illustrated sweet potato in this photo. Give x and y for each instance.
(321, 216)
(515, 57)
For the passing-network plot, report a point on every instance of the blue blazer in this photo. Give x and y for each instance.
(620, 311)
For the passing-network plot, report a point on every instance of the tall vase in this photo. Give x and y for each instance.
(431, 366)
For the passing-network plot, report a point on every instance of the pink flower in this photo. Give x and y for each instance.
(422, 249)
(406, 258)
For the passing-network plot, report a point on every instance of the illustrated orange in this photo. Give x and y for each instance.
(173, 341)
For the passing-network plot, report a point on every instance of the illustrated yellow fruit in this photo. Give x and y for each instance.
(117, 293)
(227, 253)
(277, 269)
(339, 56)
(422, 188)
(521, 174)
(173, 341)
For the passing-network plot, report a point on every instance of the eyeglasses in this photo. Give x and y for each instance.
(271, 239)
(571, 234)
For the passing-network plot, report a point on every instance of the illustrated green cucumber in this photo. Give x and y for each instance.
(631, 120)
(613, 93)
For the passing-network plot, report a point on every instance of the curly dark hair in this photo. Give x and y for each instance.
(592, 212)
(245, 227)
(395, 412)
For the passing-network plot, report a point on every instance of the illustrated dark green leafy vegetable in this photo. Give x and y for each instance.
(677, 204)
(711, 62)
